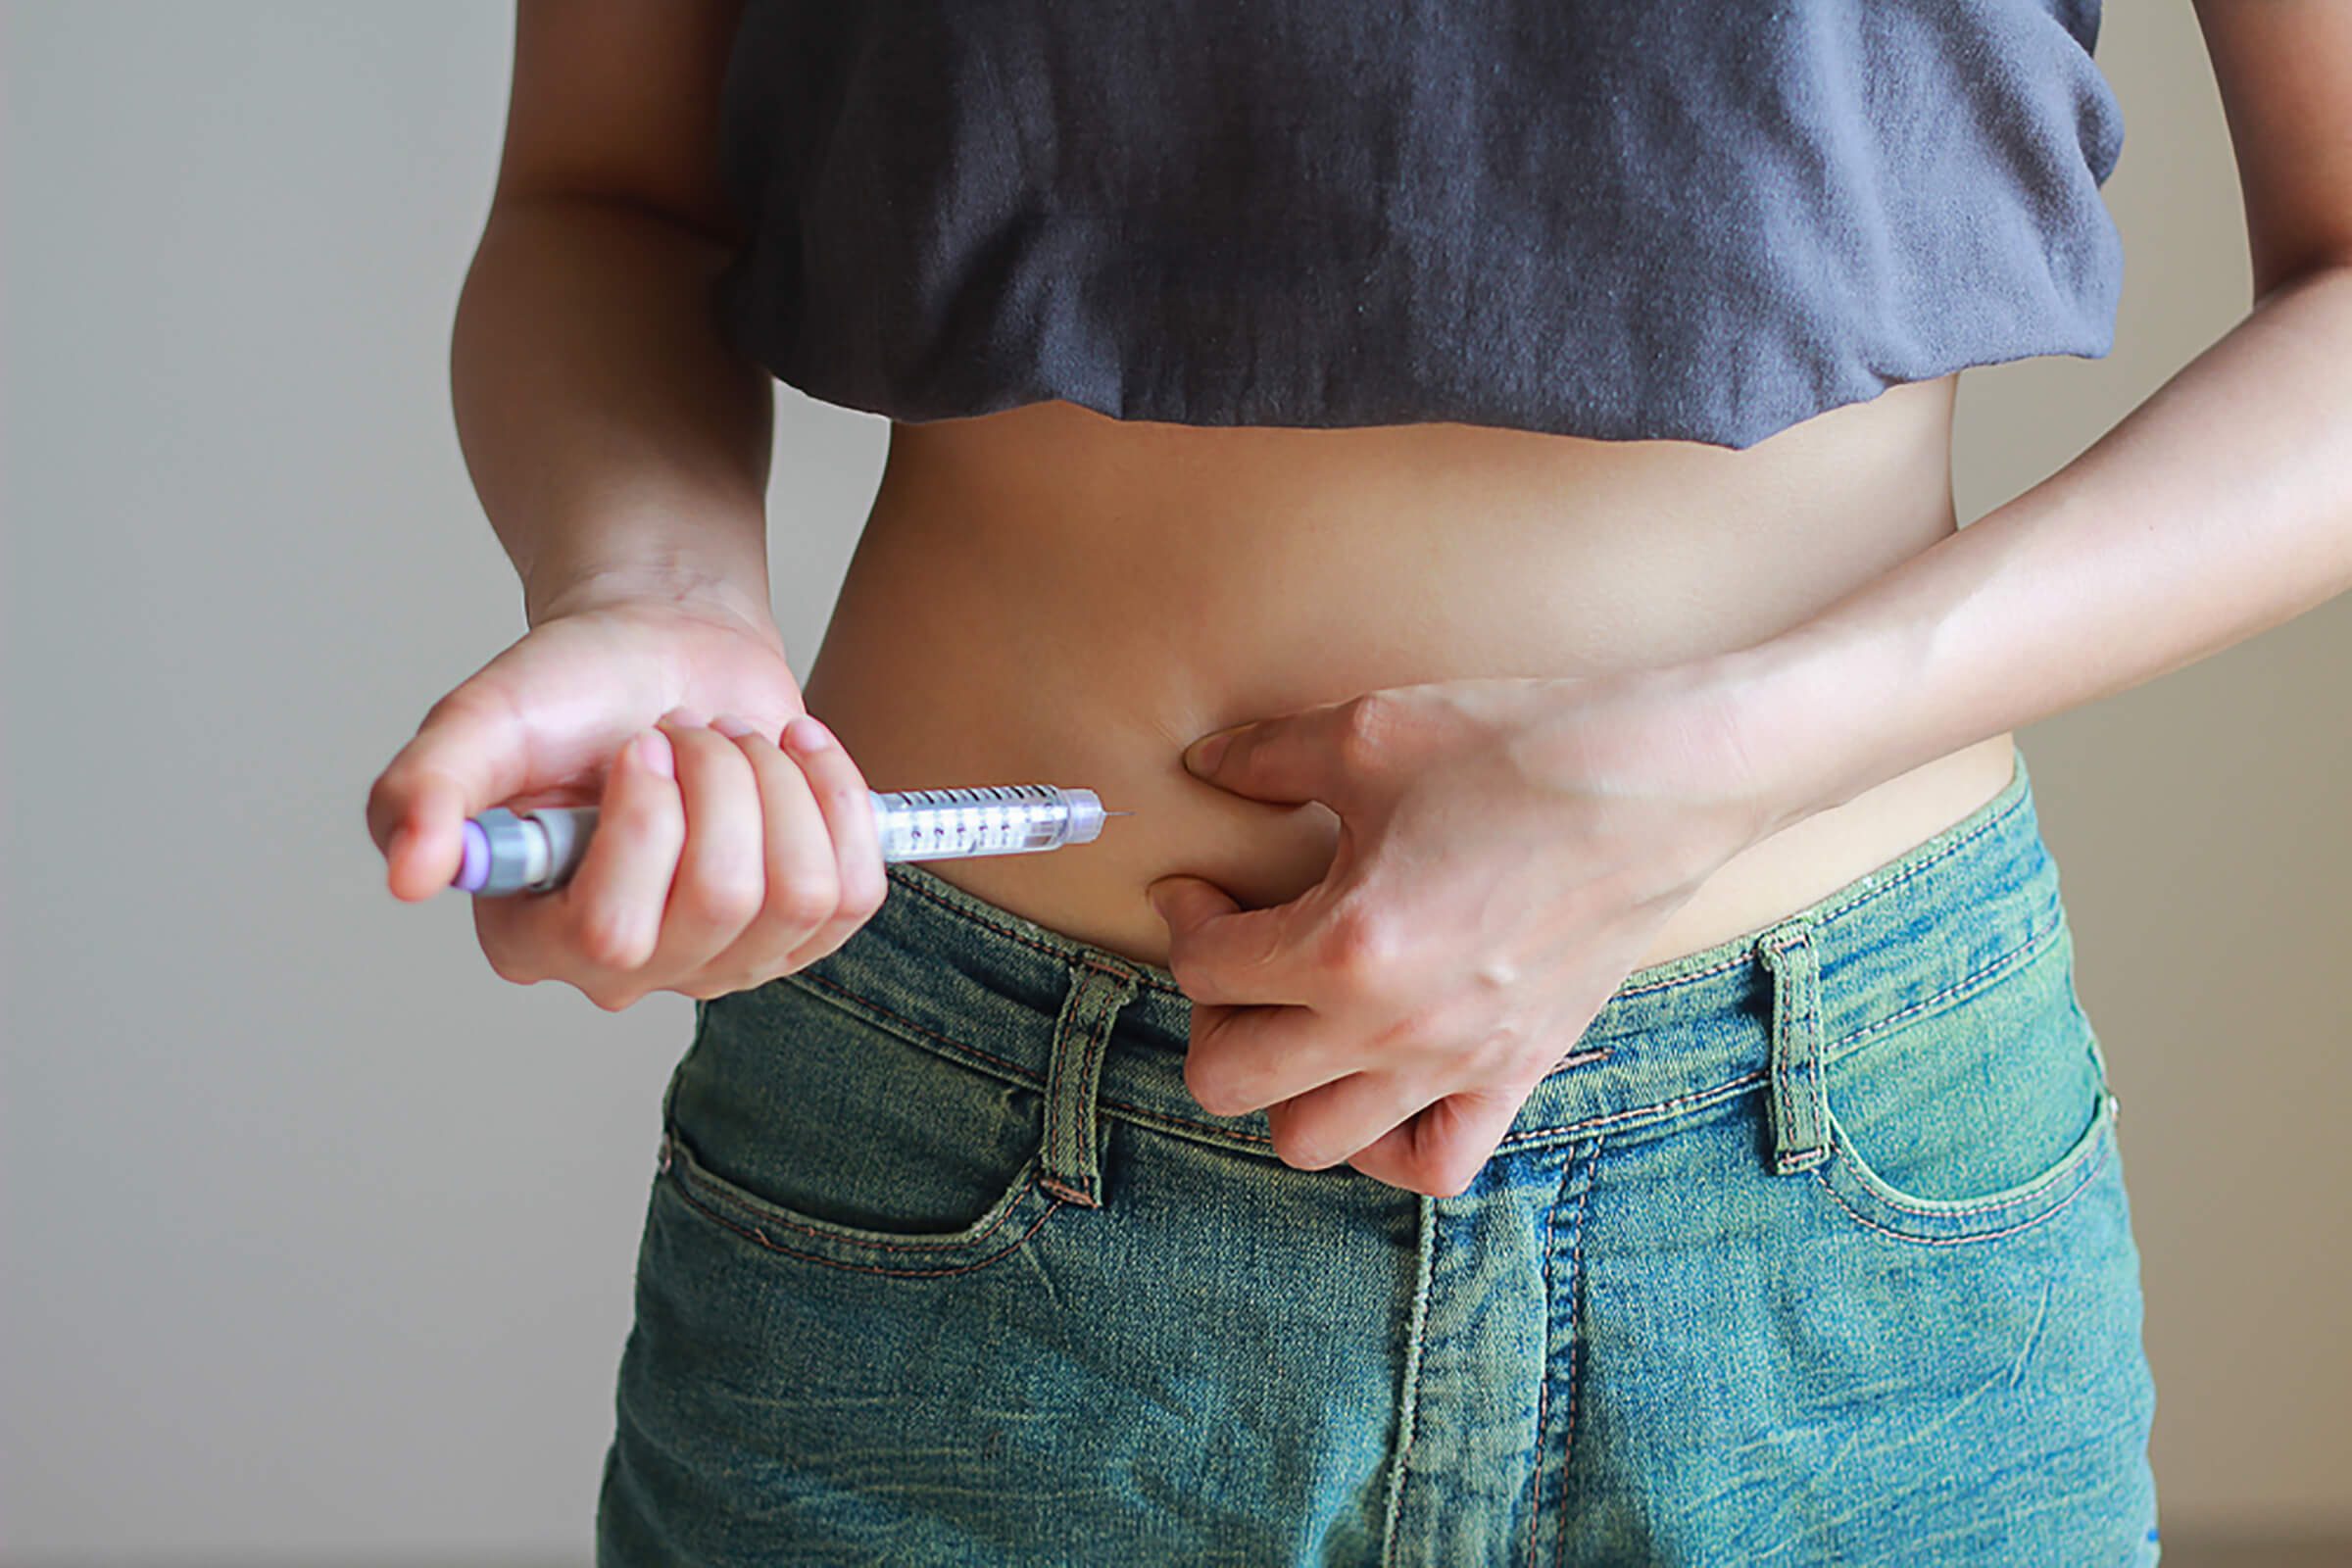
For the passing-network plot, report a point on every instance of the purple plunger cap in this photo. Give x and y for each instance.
(473, 869)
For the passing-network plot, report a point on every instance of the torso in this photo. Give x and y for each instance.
(1048, 595)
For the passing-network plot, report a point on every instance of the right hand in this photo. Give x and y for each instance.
(752, 862)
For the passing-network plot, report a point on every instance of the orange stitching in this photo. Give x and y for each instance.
(1077, 952)
(1543, 1379)
(1027, 1075)
(1089, 1055)
(1148, 1117)
(2033, 1193)
(1576, 1278)
(2080, 1188)
(1720, 1091)
(864, 1268)
(1084, 951)
(2011, 958)
(758, 1218)
(1424, 1214)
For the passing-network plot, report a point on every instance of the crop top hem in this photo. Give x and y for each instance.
(1233, 408)
(1701, 223)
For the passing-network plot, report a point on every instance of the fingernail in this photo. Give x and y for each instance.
(653, 750)
(733, 728)
(1203, 754)
(806, 734)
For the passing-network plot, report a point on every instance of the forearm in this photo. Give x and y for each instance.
(608, 428)
(2218, 508)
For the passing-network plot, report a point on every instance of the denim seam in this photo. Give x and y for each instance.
(1410, 1405)
(1164, 1122)
(759, 1240)
(2081, 1187)
(1576, 1282)
(2034, 1191)
(1078, 950)
(1169, 1121)
(1023, 1075)
(762, 1219)
(1618, 1118)
(1534, 1521)
(1910, 872)
(2007, 958)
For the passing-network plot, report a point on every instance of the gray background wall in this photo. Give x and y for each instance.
(318, 1236)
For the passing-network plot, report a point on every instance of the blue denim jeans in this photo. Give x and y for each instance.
(1813, 1248)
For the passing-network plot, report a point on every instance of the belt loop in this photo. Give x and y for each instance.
(1800, 1122)
(1067, 1164)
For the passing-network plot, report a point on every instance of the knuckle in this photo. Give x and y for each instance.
(710, 988)
(613, 938)
(1367, 729)
(611, 998)
(864, 888)
(645, 817)
(1440, 1175)
(467, 697)
(511, 968)
(388, 796)
(1186, 964)
(723, 897)
(804, 898)
(794, 962)
(1361, 945)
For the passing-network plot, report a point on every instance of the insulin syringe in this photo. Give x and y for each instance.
(539, 849)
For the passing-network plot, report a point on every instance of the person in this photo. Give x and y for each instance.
(1590, 1069)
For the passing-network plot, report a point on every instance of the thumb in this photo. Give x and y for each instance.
(465, 760)
(1184, 901)
(1287, 758)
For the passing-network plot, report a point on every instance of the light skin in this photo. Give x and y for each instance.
(1396, 1015)
(625, 471)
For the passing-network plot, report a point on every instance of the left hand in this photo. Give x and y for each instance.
(1507, 850)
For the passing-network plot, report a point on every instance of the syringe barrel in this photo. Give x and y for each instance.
(538, 851)
(992, 819)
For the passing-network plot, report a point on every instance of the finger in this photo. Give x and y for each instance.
(1442, 1149)
(847, 805)
(722, 881)
(611, 908)
(1225, 956)
(1325, 1125)
(1249, 1058)
(802, 885)
(1312, 755)
(471, 753)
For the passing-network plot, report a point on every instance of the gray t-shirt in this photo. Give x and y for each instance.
(1697, 220)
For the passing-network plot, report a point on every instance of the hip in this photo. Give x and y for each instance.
(1817, 1235)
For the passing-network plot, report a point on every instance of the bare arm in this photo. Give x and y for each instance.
(613, 437)
(2220, 507)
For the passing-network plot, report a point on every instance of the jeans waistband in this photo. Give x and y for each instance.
(1762, 1010)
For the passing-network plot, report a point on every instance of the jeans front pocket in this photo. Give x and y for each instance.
(815, 1131)
(1976, 1120)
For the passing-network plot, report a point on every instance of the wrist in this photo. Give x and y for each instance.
(552, 589)
(1805, 712)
